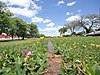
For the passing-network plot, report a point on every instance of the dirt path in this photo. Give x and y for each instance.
(54, 61)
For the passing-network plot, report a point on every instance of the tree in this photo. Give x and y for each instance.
(5, 18)
(89, 22)
(21, 28)
(63, 30)
(71, 26)
(33, 30)
(13, 29)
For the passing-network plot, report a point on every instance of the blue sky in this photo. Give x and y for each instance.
(50, 15)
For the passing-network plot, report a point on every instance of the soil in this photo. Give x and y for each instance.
(54, 62)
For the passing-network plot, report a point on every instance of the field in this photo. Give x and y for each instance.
(80, 55)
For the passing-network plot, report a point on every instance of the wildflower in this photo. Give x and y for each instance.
(27, 53)
(61, 36)
(37, 42)
(25, 59)
(92, 44)
(84, 46)
(74, 46)
(42, 37)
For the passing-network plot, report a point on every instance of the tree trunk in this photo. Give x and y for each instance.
(87, 30)
(12, 37)
(22, 37)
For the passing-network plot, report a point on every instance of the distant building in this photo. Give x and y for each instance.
(4, 35)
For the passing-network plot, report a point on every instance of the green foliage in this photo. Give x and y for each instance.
(63, 30)
(12, 60)
(15, 26)
(5, 18)
(80, 55)
(33, 31)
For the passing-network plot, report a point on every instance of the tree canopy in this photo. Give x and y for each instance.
(15, 26)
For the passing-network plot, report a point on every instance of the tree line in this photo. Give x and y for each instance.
(88, 23)
(15, 26)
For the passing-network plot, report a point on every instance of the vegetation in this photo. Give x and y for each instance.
(81, 56)
(88, 23)
(15, 26)
(13, 61)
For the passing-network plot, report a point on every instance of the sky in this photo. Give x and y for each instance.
(51, 15)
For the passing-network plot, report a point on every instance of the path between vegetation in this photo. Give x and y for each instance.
(54, 61)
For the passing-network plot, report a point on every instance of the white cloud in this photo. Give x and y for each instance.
(37, 0)
(24, 12)
(60, 2)
(71, 4)
(3, 1)
(51, 24)
(22, 3)
(79, 11)
(26, 8)
(68, 13)
(72, 18)
(50, 31)
(46, 21)
(37, 19)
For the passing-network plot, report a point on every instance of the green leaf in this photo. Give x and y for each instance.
(5, 70)
(95, 69)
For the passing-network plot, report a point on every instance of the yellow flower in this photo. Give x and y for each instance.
(42, 37)
(25, 59)
(92, 44)
(84, 46)
(74, 46)
(61, 36)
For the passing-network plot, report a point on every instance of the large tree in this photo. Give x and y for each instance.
(21, 27)
(89, 22)
(5, 18)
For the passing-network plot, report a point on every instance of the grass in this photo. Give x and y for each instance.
(81, 55)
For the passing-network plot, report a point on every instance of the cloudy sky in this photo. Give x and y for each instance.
(50, 15)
